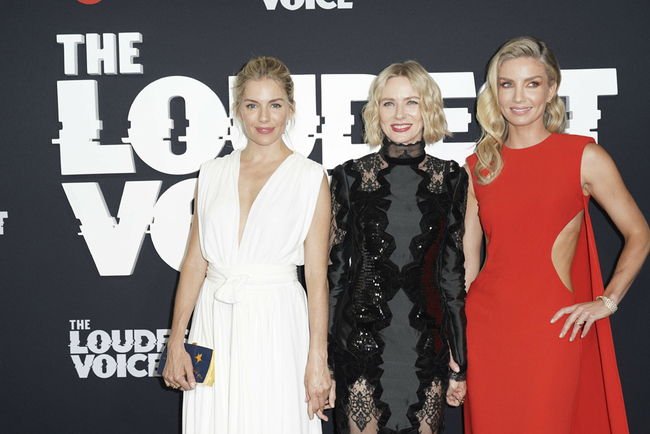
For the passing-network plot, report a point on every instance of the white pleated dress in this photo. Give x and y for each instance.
(251, 309)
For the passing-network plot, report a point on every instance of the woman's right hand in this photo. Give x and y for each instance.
(178, 368)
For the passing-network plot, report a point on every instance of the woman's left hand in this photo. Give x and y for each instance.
(318, 385)
(582, 315)
(456, 392)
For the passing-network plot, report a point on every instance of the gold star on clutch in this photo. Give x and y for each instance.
(198, 358)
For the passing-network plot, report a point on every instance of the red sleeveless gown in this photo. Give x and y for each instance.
(522, 378)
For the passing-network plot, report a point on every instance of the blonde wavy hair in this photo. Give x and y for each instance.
(493, 125)
(433, 116)
(258, 69)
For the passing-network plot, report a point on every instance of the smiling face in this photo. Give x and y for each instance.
(264, 110)
(523, 92)
(399, 111)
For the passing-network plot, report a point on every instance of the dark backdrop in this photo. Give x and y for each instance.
(65, 323)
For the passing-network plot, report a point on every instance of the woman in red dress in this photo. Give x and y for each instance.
(540, 352)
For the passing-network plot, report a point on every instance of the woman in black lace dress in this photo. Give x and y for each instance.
(396, 277)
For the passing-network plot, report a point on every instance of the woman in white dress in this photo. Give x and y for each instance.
(259, 212)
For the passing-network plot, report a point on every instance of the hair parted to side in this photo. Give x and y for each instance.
(433, 116)
(493, 125)
(258, 69)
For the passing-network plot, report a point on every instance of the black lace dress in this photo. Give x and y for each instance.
(396, 289)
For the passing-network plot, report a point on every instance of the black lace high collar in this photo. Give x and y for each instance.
(402, 153)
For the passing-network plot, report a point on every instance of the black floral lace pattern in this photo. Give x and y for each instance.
(360, 406)
(458, 376)
(432, 415)
(436, 169)
(336, 233)
(368, 168)
(363, 279)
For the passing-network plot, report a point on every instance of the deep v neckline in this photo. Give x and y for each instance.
(259, 193)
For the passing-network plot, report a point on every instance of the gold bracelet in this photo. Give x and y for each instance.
(609, 303)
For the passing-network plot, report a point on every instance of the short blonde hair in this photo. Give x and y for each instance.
(433, 116)
(493, 125)
(258, 69)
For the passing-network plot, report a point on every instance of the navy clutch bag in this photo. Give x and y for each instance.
(202, 363)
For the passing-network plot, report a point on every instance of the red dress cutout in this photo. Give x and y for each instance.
(522, 378)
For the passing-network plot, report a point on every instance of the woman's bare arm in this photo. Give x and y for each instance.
(318, 382)
(178, 368)
(600, 178)
(473, 238)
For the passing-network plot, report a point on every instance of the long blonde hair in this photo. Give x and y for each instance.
(493, 125)
(433, 116)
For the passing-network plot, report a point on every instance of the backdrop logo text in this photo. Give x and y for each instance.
(115, 353)
(3, 216)
(114, 241)
(294, 5)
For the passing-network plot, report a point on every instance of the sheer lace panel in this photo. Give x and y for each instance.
(403, 151)
(457, 376)
(368, 168)
(362, 413)
(431, 417)
(437, 170)
(457, 235)
(336, 234)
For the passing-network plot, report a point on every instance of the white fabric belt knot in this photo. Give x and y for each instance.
(233, 279)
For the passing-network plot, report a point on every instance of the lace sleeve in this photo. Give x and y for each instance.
(453, 270)
(339, 250)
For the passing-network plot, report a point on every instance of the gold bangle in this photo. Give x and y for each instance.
(609, 303)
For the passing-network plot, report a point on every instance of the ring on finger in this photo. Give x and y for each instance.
(579, 324)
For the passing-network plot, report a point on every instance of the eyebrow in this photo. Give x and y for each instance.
(408, 97)
(271, 101)
(525, 79)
